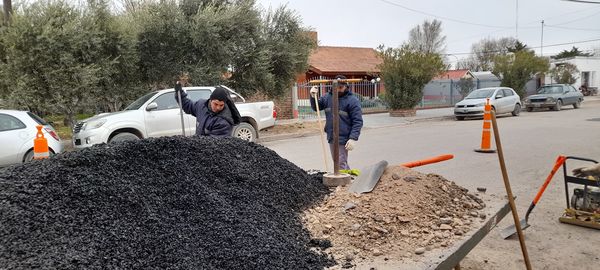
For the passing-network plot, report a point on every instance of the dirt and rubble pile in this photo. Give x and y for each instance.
(407, 213)
(166, 203)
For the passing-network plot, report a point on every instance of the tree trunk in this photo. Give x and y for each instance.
(7, 10)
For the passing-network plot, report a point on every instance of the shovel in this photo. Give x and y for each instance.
(369, 176)
(180, 110)
(511, 230)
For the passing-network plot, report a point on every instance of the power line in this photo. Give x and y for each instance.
(442, 17)
(527, 23)
(582, 1)
(579, 19)
(536, 47)
(572, 28)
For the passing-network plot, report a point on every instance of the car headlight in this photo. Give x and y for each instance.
(480, 104)
(94, 124)
(550, 99)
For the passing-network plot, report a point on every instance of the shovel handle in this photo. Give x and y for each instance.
(427, 161)
(559, 162)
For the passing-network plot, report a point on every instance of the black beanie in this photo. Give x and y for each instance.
(220, 94)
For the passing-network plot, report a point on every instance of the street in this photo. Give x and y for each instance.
(531, 143)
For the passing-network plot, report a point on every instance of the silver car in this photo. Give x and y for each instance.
(502, 99)
(554, 96)
(17, 131)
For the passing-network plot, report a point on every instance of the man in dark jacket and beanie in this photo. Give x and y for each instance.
(351, 121)
(216, 116)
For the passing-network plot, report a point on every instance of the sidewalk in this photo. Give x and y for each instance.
(294, 128)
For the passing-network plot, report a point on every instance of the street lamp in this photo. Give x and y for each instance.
(375, 81)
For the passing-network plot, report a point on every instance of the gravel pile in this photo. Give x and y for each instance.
(408, 214)
(166, 203)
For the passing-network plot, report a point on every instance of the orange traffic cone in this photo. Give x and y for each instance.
(486, 135)
(40, 145)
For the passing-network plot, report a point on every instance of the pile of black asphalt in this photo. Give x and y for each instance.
(164, 203)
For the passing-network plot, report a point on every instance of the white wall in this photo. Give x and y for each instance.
(584, 64)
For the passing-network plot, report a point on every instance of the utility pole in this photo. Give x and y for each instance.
(517, 21)
(542, 44)
(7, 10)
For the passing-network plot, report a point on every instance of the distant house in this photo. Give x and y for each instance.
(352, 62)
(455, 75)
(588, 66)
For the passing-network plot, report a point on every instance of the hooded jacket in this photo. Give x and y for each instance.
(351, 121)
(209, 123)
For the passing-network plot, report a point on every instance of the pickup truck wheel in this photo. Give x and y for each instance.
(245, 132)
(125, 136)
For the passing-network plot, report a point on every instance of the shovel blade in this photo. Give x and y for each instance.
(512, 229)
(368, 178)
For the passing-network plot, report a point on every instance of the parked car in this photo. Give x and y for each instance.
(554, 96)
(17, 131)
(502, 99)
(157, 114)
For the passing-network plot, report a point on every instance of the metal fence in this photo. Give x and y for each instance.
(439, 93)
(446, 93)
(368, 94)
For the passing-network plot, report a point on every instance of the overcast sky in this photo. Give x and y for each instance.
(368, 23)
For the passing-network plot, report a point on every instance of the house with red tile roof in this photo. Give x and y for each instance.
(455, 75)
(352, 62)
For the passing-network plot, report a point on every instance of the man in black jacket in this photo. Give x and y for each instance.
(214, 117)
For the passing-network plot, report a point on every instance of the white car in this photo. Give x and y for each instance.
(157, 114)
(17, 131)
(502, 99)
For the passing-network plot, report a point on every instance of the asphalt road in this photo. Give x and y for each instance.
(531, 143)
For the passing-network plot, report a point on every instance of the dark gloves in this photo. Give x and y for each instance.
(178, 88)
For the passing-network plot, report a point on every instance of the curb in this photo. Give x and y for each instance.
(286, 136)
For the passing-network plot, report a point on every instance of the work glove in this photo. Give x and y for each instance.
(314, 91)
(593, 170)
(350, 144)
(178, 88)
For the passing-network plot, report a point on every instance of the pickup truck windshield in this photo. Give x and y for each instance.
(139, 102)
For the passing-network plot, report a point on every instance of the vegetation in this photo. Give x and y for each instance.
(405, 72)
(57, 57)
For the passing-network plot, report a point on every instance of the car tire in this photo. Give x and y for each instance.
(558, 105)
(517, 110)
(530, 109)
(577, 104)
(245, 131)
(460, 118)
(122, 137)
(28, 156)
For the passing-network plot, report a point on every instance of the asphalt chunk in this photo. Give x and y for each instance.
(164, 203)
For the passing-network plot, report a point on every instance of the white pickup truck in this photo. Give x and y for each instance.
(157, 114)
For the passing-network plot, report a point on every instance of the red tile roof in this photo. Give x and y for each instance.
(454, 74)
(344, 60)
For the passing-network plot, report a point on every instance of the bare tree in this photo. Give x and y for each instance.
(484, 52)
(427, 37)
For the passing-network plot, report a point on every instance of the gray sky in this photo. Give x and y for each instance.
(369, 23)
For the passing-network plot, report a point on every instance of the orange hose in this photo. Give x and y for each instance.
(427, 161)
